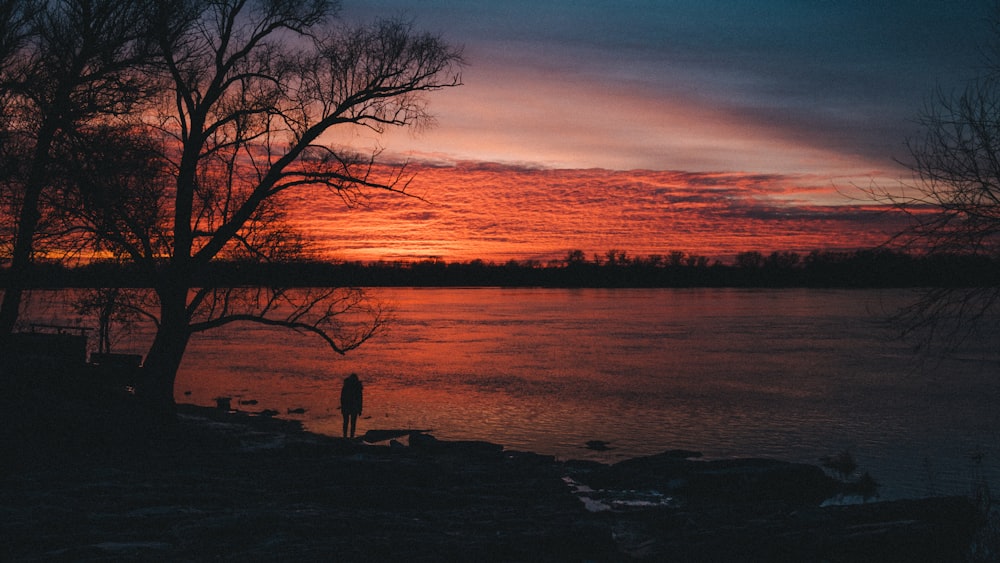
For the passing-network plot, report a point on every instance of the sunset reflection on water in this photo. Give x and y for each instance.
(792, 374)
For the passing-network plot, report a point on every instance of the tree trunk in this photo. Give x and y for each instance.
(159, 372)
(27, 225)
(20, 263)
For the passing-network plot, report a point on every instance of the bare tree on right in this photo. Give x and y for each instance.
(953, 203)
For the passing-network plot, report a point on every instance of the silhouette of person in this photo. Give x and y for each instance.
(351, 397)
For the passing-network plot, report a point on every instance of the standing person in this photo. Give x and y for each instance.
(351, 397)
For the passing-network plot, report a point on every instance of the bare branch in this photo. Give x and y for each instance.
(953, 203)
(317, 312)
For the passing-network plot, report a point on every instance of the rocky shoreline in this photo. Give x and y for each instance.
(103, 485)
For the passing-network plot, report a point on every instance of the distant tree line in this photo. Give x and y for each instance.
(873, 268)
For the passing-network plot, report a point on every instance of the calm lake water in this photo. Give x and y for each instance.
(789, 374)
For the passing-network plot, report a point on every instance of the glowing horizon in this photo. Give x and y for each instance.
(497, 213)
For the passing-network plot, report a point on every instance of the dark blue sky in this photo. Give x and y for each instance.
(808, 87)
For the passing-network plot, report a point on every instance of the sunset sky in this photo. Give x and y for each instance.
(707, 126)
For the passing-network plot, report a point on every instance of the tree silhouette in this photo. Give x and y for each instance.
(252, 92)
(953, 202)
(65, 63)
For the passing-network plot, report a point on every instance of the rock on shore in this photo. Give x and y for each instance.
(220, 485)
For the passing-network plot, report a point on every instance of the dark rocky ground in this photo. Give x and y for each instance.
(80, 482)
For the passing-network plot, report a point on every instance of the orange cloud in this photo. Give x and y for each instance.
(500, 212)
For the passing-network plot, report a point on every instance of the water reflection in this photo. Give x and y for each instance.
(791, 374)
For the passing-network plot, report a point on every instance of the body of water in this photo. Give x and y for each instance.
(791, 374)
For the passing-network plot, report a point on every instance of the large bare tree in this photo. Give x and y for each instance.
(13, 36)
(254, 90)
(953, 202)
(65, 64)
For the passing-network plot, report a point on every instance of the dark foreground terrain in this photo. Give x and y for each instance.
(88, 484)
